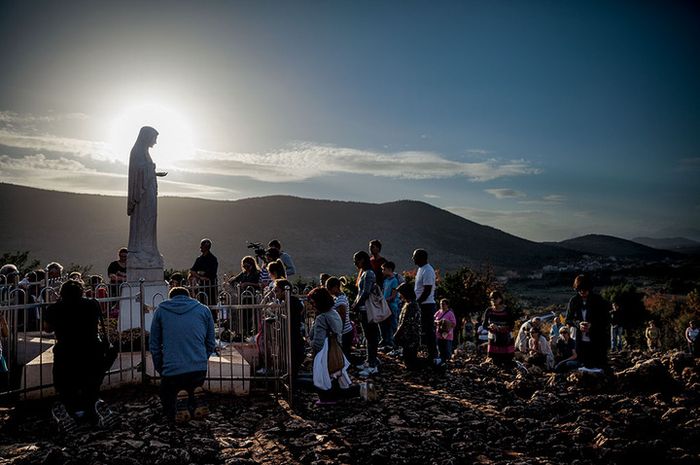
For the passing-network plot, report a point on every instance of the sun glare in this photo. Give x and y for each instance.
(175, 140)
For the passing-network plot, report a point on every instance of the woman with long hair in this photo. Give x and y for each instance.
(365, 280)
(500, 323)
(328, 326)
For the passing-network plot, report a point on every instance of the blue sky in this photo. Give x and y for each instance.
(545, 119)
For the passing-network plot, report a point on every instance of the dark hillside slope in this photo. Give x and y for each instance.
(321, 235)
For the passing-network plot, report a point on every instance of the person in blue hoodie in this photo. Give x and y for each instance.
(181, 341)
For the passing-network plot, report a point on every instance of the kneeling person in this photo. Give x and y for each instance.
(181, 341)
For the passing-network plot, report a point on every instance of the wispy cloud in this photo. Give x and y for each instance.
(505, 193)
(12, 118)
(302, 161)
(431, 196)
(40, 162)
(553, 199)
(51, 143)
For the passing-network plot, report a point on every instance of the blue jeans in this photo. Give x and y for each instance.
(171, 385)
(616, 332)
(445, 348)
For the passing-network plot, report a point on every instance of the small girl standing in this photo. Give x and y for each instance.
(445, 323)
(342, 306)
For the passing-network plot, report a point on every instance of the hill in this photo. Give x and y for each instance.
(321, 235)
(676, 244)
(606, 246)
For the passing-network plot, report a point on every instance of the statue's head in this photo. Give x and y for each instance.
(147, 137)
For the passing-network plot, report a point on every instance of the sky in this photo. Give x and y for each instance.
(545, 119)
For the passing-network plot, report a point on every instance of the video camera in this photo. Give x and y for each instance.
(257, 248)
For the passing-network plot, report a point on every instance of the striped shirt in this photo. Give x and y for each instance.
(342, 300)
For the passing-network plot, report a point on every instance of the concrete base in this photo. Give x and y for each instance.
(230, 365)
(130, 303)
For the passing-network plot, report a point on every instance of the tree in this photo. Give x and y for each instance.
(21, 260)
(634, 312)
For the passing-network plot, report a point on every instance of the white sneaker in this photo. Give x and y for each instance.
(368, 372)
(363, 366)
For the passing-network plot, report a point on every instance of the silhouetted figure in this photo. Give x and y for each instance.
(142, 203)
(589, 313)
(204, 270)
(117, 272)
(77, 364)
(376, 261)
(285, 257)
(424, 288)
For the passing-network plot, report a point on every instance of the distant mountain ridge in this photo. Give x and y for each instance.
(321, 235)
(605, 246)
(679, 244)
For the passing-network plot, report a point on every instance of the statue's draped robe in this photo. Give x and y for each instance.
(142, 208)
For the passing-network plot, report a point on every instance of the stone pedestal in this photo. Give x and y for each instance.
(155, 291)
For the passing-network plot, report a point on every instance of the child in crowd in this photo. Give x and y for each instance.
(388, 326)
(342, 306)
(408, 333)
(445, 323)
(653, 337)
(482, 339)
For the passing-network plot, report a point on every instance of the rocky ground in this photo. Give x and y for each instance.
(644, 412)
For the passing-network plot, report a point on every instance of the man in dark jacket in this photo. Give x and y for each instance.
(589, 314)
(181, 341)
(204, 272)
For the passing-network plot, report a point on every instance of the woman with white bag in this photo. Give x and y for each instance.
(330, 365)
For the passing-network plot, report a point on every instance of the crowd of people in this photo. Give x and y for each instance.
(343, 337)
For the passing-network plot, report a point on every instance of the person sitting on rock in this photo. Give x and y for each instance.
(653, 337)
(539, 352)
(522, 339)
(566, 350)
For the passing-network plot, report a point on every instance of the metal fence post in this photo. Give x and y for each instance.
(290, 369)
(142, 306)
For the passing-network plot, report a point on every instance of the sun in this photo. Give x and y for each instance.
(175, 140)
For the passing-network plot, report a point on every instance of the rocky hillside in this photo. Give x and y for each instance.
(647, 411)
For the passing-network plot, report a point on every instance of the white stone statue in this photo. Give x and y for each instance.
(142, 205)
